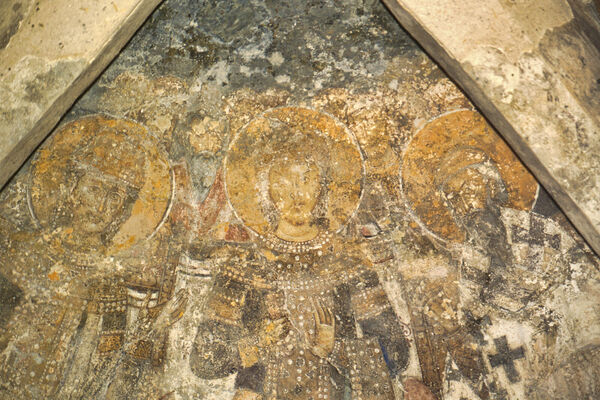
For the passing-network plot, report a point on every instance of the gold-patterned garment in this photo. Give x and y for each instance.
(289, 287)
(50, 356)
(63, 342)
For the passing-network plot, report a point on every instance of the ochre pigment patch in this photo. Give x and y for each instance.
(423, 167)
(287, 202)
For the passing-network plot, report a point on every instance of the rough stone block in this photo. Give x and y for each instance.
(49, 53)
(532, 68)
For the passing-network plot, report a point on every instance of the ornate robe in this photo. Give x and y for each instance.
(71, 334)
(369, 348)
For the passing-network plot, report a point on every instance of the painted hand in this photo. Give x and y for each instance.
(172, 311)
(324, 337)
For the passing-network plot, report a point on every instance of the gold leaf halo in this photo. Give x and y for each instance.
(433, 143)
(49, 187)
(301, 132)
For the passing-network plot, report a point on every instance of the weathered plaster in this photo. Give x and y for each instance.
(49, 53)
(534, 74)
(275, 200)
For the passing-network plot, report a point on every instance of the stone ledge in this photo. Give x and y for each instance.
(49, 54)
(533, 73)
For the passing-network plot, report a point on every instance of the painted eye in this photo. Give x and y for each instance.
(115, 198)
(92, 190)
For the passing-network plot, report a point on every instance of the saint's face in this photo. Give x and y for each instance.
(294, 189)
(466, 192)
(96, 204)
(476, 210)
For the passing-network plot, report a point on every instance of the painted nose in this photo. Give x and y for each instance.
(298, 195)
(295, 192)
(103, 203)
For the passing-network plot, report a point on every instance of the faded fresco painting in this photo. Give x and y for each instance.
(264, 200)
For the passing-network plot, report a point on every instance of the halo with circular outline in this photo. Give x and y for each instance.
(294, 131)
(48, 185)
(432, 144)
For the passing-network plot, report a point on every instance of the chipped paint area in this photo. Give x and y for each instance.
(265, 200)
(534, 72)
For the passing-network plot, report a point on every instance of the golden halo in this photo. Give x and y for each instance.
(299, 132)
(436, 142)
(146, 168)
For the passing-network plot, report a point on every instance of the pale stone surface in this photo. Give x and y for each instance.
(534, 73)
(246, 170)
(49, 53)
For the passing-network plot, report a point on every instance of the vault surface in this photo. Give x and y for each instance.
(287, 200)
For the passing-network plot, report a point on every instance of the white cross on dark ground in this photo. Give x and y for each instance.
(506, 358)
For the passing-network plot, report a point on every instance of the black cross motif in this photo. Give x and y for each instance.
(506, 358)
(535, 235)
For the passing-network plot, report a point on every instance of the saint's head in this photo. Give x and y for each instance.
(295, 188)
(107, 174)
(474, 192)
(97, 202)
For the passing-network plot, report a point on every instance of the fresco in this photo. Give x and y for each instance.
(287, 201)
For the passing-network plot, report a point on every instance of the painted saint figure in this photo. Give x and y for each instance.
(472, 195)
(473, 191)
(306, 317)
(69, 339)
